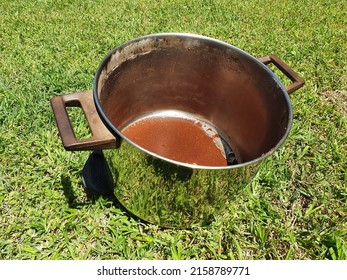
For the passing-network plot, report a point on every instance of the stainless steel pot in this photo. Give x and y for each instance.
(163, 87)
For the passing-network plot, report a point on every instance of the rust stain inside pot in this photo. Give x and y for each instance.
(180, 139)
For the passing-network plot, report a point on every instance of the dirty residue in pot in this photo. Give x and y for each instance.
(180, 139)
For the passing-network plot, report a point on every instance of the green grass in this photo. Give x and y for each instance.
(295, 208)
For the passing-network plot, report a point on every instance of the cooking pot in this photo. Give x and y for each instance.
(184, 121)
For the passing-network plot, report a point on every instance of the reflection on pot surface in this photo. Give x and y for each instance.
(172, 195)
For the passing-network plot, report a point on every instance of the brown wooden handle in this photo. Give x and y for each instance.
(297, 81)
(101, 138)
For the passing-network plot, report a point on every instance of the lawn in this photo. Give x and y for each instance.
(296, 206)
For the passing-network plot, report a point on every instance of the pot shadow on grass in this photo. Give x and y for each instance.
(97, 182)
(69, 193)
(114, 202)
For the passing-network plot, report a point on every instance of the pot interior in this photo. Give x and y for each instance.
(181, 137)
(206, 83)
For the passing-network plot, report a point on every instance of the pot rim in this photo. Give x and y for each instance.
(118, 133)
